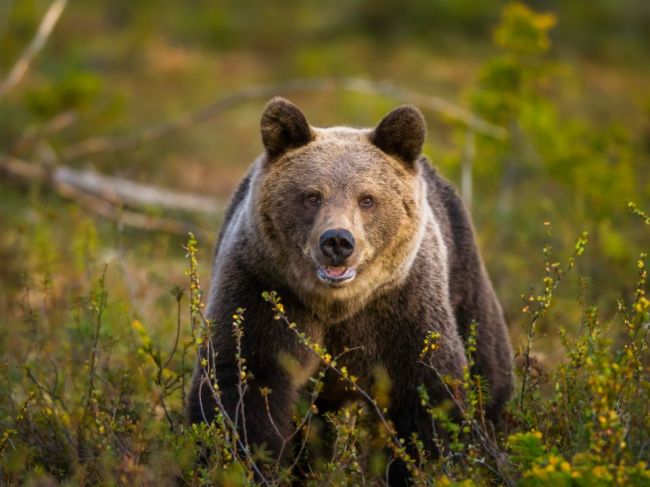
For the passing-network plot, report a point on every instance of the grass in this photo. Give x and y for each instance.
(93, 385)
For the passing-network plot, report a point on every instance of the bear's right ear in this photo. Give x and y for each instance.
(401, 133)
(283, 127)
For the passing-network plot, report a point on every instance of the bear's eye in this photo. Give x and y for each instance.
(313, 200)
(367, 202)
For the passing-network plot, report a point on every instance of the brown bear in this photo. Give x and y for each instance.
(370, 250)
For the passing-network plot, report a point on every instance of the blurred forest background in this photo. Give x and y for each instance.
(546, 112)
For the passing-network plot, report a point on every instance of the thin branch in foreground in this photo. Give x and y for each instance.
(44, 30)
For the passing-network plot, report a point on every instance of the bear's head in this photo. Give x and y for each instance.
(342, 209)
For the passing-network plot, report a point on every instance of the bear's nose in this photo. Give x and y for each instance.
(337, 244)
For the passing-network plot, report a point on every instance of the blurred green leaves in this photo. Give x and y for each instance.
(523, 31)
(75, 90)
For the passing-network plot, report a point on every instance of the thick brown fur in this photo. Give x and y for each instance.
(418, 270)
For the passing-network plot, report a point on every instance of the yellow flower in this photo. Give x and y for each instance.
(642, 304)
(600, 472)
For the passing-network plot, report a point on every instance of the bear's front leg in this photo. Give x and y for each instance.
(260, 408)
(440, 373)
(256, 394)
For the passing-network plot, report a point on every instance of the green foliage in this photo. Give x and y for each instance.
(576, 159)
(101, 402)
(73, 92)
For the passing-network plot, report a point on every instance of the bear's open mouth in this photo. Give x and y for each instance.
(336, 274)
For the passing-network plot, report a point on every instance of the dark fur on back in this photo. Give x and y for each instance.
(472, 295)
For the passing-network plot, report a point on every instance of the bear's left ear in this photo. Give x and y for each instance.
(283, 127)
(401, 133)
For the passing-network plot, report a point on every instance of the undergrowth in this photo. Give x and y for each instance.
(90, 396)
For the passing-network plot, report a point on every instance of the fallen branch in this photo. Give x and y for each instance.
(118, 191)
(125, 217)
(124, 192)
(107, 196)
(44, 30)
(436, 104)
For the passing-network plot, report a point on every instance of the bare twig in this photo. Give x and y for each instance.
(33, 135)
(543, 304)
(436, 104)
(44, 30)
(51, 394)
(99, 308)
(10, 432)
(178, 293)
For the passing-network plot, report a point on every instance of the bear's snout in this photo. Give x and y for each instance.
(337, 244)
